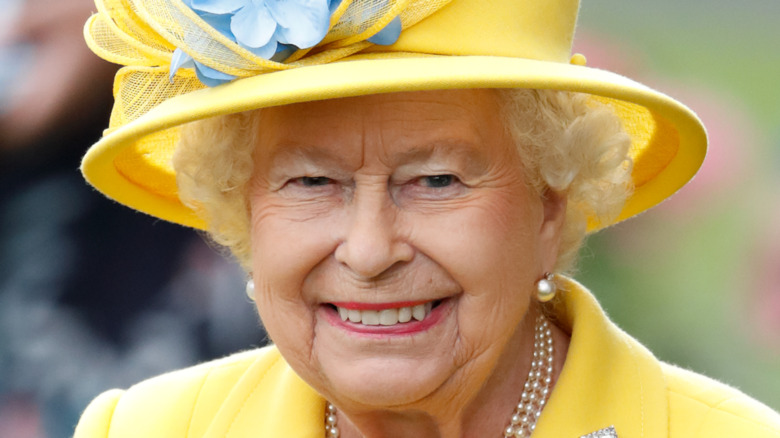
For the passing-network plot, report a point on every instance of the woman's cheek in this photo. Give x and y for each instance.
(293, 242)
(478, 242)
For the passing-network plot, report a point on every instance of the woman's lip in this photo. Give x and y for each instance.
(350, 305)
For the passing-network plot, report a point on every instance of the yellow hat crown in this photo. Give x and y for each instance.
(144, 35)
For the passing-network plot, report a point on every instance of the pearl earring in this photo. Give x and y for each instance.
(545, 288)
(250, 289)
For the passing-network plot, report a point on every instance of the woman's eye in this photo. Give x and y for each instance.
(431, 188)
(309, 186)
(438, 181)
(314, 181)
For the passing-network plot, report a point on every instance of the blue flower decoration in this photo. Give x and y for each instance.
(271, 29)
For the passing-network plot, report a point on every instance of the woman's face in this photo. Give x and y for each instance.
(395, 243)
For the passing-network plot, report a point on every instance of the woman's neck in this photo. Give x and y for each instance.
(449, 413)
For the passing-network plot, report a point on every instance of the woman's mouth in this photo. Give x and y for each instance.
(395, 318)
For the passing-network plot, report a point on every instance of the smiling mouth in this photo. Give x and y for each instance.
(388, 316)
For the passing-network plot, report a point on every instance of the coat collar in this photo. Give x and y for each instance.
(608, 379)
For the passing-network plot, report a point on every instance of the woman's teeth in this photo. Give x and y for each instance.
(386, 316)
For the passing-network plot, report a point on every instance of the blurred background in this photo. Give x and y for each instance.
(697, 279)
(94, 296)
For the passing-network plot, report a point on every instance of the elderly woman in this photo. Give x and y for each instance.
(407, 184)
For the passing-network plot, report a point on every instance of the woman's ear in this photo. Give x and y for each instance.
(554, 209)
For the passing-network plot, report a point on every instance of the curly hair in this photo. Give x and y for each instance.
(568, 142)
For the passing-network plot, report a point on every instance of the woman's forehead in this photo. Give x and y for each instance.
(407, 126)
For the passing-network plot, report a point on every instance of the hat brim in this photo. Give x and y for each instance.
(666, 157)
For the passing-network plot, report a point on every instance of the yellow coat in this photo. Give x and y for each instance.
(609, 379)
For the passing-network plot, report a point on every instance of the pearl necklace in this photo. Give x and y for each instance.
(537, 384)
(535, 391)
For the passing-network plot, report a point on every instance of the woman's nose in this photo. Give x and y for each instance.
(372, 242)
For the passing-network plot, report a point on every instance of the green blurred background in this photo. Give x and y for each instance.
(698, 278)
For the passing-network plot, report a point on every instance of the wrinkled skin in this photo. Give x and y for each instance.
(414, 196)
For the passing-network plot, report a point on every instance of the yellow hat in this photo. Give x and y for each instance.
(443, 44)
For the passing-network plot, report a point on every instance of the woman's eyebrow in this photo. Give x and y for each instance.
(464, 152)
(297, 152)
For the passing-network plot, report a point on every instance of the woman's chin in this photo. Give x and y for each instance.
(383, 382)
